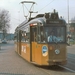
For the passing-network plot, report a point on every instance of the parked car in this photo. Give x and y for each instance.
(4, 41)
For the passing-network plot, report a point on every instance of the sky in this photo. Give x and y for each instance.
(17, 12)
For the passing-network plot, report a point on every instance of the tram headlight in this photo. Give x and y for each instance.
(57, 51)
(50, 47)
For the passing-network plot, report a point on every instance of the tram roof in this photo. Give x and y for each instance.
(32, 21)
(39, 18)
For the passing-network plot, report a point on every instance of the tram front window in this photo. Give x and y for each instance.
(54, 34)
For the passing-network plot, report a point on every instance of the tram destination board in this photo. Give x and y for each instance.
(54, 21)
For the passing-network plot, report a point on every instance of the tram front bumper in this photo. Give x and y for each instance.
(57, 62)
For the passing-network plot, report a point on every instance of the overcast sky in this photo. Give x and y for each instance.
(15, 9)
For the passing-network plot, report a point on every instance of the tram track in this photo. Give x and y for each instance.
(56, 70)
(71, 58)
(67, 68)
(71, 63)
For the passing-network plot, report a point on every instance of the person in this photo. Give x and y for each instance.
(59, 39)
(52, 37)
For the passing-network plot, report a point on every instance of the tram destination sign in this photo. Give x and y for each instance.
(54, 21)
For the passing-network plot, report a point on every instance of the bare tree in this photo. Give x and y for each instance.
(4, 22)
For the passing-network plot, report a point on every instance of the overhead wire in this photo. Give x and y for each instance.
(45, 6)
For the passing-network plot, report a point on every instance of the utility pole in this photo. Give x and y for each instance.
(68, 26)
(68, 10)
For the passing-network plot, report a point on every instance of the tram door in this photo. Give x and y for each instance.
(19, 42)
(33, 39)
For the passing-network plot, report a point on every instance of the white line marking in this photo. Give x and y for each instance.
(67, 68)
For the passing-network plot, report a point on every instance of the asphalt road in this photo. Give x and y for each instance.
(71, 58)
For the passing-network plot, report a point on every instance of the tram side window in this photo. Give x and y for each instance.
(43, 39)
(33, 34)
(27, 37)
(17, 37)
(24, 36)
(38, 36)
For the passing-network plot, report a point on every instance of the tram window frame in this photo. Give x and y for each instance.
(25, 37)
(64, 35)
(28, 36)
(18, 36)
(40, 34)
(33, 33)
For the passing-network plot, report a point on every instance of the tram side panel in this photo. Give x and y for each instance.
(25, 51)
(39, 54)
(44, 54)
(33, 51)
(18, 43)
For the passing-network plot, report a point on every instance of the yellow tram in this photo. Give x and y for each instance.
(42, 40)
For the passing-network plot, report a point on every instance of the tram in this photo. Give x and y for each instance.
(33, 39)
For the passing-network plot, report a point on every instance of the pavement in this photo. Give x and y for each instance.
(71, 49)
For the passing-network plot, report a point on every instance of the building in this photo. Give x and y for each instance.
(72, 30)
(8, 36)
